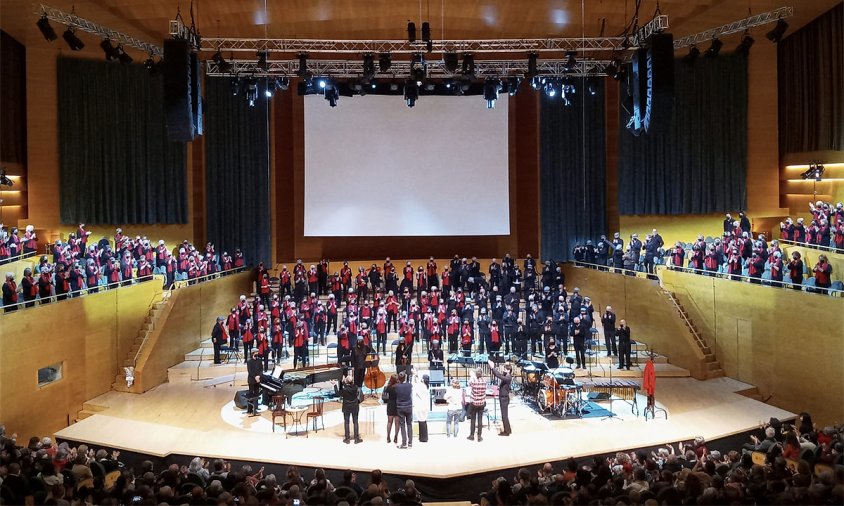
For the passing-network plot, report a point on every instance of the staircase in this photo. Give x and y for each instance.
(155, 312)
(713, 367)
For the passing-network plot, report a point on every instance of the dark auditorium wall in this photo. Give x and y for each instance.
(788, 344)
(13, 112)
(288, 195)
(90, 335)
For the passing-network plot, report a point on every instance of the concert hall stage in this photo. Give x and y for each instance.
(199, 418)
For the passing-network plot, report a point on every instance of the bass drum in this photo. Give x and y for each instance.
(545, 399)
(531, 375)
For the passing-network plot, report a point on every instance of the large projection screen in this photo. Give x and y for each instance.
(375, 167)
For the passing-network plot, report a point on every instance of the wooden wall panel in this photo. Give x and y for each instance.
(91, 335)
(786, 343)
(193, 312)
(651, 316)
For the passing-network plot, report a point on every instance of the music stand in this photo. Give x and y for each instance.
(612, 415)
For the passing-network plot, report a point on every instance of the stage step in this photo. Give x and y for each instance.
(83, 414)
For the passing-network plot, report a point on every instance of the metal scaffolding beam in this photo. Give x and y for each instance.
(72, 20)
(401, 69)
(735, 27)
(656, 25)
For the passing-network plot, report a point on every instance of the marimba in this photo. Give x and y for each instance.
(625, 389)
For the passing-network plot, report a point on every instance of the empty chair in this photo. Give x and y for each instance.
(316, 412)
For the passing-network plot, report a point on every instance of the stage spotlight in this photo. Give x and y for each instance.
(322, 83)
(123, 56)
(153, 67)
(513, 83)
(714, 48)
(550, 88)
(222, 65)
(368, 67)
(536, 82)
(385, 61)
(332, 95)
(776, 33)
(690, 58)
(745, 44)
(262, 61)
(72, 40)
(269, 88)
(411, 92)
(110, 51)
(491, 89)
(46, 29)
(468, 65)
(532, 72)
(815, 171)
(450, 62)
(282, 83)
(303, 66)
(592, 85)
(418, 68)
(411, 31)
(235, 85)
(251, 91)
(571, 61)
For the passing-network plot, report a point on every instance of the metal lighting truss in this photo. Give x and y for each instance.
(402, 69)
(74, 21)
(735, 27)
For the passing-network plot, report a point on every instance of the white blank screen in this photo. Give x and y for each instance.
(375, 167)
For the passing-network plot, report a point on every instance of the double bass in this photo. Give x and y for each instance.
(374, 378)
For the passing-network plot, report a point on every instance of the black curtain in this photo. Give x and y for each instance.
(697, 164)
(810, 78)
(117, 165)
(237, 171)
(13, 93)
(572, 170)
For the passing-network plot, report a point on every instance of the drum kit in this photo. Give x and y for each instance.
(552, 390)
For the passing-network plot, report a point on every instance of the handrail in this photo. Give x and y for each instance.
(17, 257)
(828, 249)
(611, 268)
(165, 296)
(81, 292)
(682, 312)
(724, 275)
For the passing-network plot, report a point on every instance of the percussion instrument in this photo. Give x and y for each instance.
(531, 375)
(625, 389)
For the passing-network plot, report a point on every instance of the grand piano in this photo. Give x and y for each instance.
(289, 382)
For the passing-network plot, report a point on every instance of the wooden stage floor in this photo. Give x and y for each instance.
(195, 418)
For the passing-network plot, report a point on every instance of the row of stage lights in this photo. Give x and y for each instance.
(112, 52)
(417, 83)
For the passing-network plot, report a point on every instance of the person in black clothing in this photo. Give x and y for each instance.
(505, 377)
(744, 222)
(404, 408)
(552, 356)
(608, 320)
(623, 333)
(402, 358)
(351, 395)
(254, 370)
(10, 293)
(435, 355)
(359, 353)
(218, 337)
(580, 332)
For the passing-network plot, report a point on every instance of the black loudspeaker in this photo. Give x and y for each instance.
(240, 398)
(652, 85)
(196, 93)
(178, 110)
(661, 53)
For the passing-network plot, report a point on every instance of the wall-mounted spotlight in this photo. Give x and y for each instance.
(72, 40)
(776, 33)
(46, 29)
(714, 47)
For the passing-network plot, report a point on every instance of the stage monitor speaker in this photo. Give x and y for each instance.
(178, 110)
(240, 399)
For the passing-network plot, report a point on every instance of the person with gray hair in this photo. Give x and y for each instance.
(10, 293)
(762, 445)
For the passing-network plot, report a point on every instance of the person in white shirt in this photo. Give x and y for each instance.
(421, 405)
(455, 399)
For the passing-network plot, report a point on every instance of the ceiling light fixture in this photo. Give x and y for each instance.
(714, 47)
(776, 33)
(72, 40)
(46, 29)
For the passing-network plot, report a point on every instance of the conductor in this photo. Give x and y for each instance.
(505, 377)
(254, 369)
